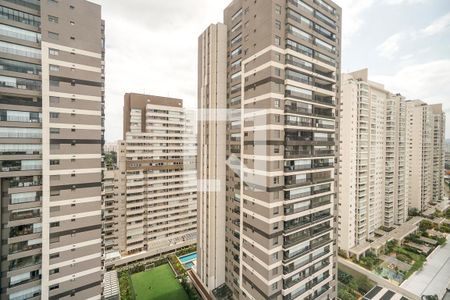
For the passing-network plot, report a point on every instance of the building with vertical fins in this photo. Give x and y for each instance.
(211, 170)
(282, 93)
(51, 136)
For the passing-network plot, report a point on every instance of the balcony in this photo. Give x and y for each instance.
(307, 179)
(292, 166)
(24, 230)
(20, 83)
(303, 153)
(315, 112)
(25, 214)
(18, 165)
(24, 262)
(24, 246)
(20, 182)
(33, 4)
(305, 192)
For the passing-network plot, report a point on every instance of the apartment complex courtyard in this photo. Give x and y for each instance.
(398, 254)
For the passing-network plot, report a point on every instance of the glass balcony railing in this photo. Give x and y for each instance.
(33, 4)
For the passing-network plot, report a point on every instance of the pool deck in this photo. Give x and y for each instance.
(434, 277)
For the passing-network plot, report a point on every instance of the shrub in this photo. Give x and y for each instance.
(344, 277)
(125, 286)
(186, 250)
(189, 289)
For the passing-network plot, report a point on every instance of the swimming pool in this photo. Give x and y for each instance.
(188, 260)
(188, 257)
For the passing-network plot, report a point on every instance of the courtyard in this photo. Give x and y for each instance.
(157, 284)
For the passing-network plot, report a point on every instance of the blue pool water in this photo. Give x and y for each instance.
(188, 258)
(188, 265)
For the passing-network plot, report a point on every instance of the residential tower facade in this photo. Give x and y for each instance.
(372, 160)
(283, 61)
(156, 184)
(51, 136)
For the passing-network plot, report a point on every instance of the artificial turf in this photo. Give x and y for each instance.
(158, 284)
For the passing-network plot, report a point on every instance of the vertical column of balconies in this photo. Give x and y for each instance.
(20, 149)
(311, 67)
(235, 23)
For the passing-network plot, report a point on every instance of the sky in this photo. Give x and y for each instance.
(151, 47)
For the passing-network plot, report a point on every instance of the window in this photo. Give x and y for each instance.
(54, 68)
(236, 15)
(54, 255)
(53, 1)
(54, 287)
(54, 115)
(53, 19)
(19, 50)
(54, 83)
(19, 33)
(18, 16)
(277, 72)
(53, 35)
(53, 51)
(54, 271)
(277, 103)
(277, 40)
(72, 23)
(54, 162)
(54, 193)
(277, 9)
(54, 224)
(278, 24)
(72, 38)
(72, 7)
(54, 130)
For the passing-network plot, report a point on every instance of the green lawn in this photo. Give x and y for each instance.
(158, 284)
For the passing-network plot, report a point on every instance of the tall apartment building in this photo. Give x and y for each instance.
(372, 160)
(211, 170)
(51, 135)
(282, 88)
(156, 182)
(438, 152)
(425, 150)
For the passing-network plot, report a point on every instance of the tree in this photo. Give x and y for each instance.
(363, 283)
(344, 277)
(413, 212)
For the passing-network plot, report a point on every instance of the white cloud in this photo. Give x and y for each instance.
(438, 26)
(428, 82)
(151, 47)
(401, 2)
(353, 11)
(391, 45)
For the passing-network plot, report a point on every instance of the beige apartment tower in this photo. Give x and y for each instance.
(155, 181)
(425, 153)
(372, 160)
(282, 89)
(211, 170)
(51, 136)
